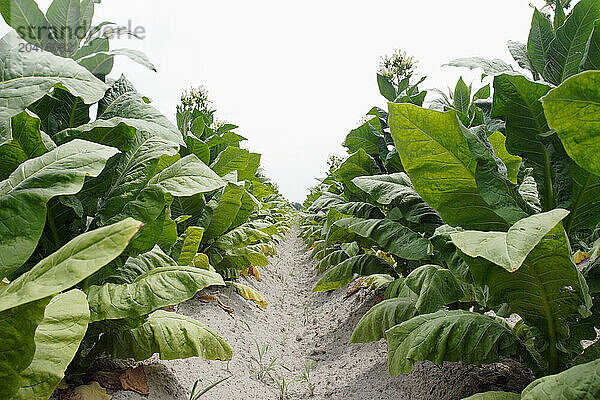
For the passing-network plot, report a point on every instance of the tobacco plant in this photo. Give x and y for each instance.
(492, 194)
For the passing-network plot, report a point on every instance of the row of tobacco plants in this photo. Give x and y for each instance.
(484, 204)
(108, 211)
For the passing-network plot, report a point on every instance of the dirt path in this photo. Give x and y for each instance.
(299, 326)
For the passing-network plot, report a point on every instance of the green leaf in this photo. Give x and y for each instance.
(231, 159)
(360, 210)
(568, 48)
(490, 67)
(68, 266)
(449, 336)
(332, 258)
(249, 205)
(518, 51)
(23, 196)
(250, 171)
(547, 290)
(29, 76)
(393, 237)
(57, 339)
(17, 344)
(462, 97)
(509, 250)
(436, 287)
(123, 101)
(187, 177)
(224, 210)
(172, 336)
(356, 164)
(113, 132)
(494, 396)
(27, 143)
(386, 88)
(364, 137)
(538, 44)
(381, 317)
(573, 110)
(591, 58)
(191, 243)
(65, 18)
(512, 163)
(432, 146)
(160, 287)
(516, 99)
(581, 382)
(343, 273)
(397, 190)
(27, 20)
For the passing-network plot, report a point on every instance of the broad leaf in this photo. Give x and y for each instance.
(538, 44)
(393, 237)
(494, 396)
(72, 263)
(29, 76)
(432, 146)
(170, 335)
(160, 287)
(224, 210)
(356, 164)
(191, 243)
(436, 287)
(250, 293)
(231, 159)
(113, 132)
(381, 317)
(581, 382)
(65, 18)
(567, 49)
(449, 336)
(343, 273)
(573, 110)
(57, 339)
(490, 67)
(23, 196)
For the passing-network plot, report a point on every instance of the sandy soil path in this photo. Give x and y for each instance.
(299, 326)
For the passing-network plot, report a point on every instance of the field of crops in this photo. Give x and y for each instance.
(463, 226)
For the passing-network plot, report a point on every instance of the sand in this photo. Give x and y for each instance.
(299, 326)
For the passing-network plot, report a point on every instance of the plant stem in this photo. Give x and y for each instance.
(52, 225)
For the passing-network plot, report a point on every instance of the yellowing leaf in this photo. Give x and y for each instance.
(93, 391)
(250, 294)
(580, 256)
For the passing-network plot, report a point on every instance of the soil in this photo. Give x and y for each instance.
(299, 326)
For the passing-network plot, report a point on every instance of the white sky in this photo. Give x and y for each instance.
(296, 77)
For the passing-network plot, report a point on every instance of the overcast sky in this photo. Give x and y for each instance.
(297, 76)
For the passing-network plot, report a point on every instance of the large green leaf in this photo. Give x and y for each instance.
(72, 263)
(17, 344)
(28, 76)
(490, 67)
(23, 196)
(393, 237)
(449, 336)
(27, 142)
(251, 168)
(581, 382)
(231, 159)
(65, 18)
(332, 258)
(123, 101)
(573, 110)
(57, 339)
(112, 132)
(224, 210)
(364, 137)
(356, 164)
(433, 148)
(27, 20)
(360, 210)
(187, 177)
(509, 249)
(343, 273)
(249, 205)
(160, 287)
(538, 44)
(537, 290)
(170, 335)
(191, 242)
(568, 48)
(436, 287)
(381, 317)
(397, 190)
